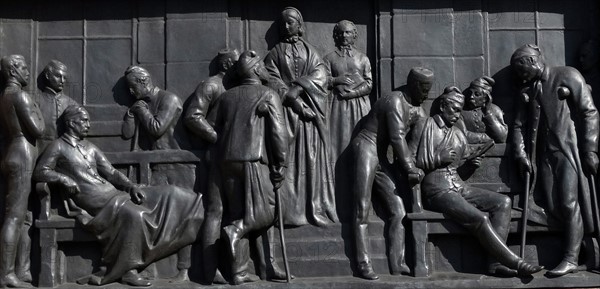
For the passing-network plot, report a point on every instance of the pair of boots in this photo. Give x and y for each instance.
(232, 235)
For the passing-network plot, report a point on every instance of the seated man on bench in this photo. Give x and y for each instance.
(442, 148)
(135, 225)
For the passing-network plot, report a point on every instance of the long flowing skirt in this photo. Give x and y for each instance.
(308, 190)
(133, 236)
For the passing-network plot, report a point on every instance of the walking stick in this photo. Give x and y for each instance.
(134, 145)
(596, 212)
(288, 276)
(525, 216)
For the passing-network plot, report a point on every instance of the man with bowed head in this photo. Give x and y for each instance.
(481, 118)
(199, 119)
(389, 123)
(556, 142)
(152, 120)
(251, 156)
(443, 147)
(208, 91)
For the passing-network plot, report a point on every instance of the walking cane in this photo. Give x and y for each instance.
(134, 145)
(595, 207)
(288, 276)
(525, 216)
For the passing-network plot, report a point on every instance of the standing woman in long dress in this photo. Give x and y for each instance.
(299, 75)
(351, 83)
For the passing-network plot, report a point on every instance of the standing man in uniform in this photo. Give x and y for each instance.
(199, 119)
(251, 155)
(388, 123)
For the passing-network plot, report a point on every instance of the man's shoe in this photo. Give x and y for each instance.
(565, 267)
(219, 279)
(365, 271)
(402, 270)
(25, 276)
(500, 270)
(11, 281)
(321, 221)
(244, 277)
(182, 276)
(132, 278)
(526, 269)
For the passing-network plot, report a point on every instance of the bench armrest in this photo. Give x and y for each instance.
(417, 205)
(43, 192)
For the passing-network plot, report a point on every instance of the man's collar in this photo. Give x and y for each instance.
(251, 81)
(13, 82)
(344, 50)
(70, 139)
(439, 121)
(51, 91)
(292, 39)
(545, 74)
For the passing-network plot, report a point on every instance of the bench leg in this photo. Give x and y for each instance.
(49, 250)
(419, 232)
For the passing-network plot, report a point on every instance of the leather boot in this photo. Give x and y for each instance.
(565, 267)
(365, 271)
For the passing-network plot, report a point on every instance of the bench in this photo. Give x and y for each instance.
(56, 222)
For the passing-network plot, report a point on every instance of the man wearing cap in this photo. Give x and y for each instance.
(22, 124)
(299, 75)
(196, 116)
(557, 103)
(151, 122)
(388, 123)
(481, 118)
(199, 119)
(251, 156)
(442, 148)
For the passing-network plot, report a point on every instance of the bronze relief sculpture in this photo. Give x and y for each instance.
(151, 121)
(272, 125)
(388, 124)
(199, 119)
(22, 124)
(251, 156)
(556, 144)
(298, 74)
(350, 82)
(441, 149)
(53, 101)
(481, 118)
(135, 225)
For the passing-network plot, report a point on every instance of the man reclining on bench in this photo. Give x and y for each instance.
(442, 148)
(135, 225)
